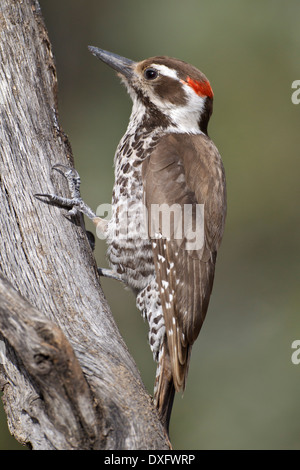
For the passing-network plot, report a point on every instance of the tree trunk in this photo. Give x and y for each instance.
(68, 379)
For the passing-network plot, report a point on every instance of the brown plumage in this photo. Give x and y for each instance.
(184, 170)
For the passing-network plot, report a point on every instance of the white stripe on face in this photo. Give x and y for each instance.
(166, 71)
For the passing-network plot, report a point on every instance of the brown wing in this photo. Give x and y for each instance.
(182, 173)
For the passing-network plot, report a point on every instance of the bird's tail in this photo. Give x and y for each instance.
(164, 389)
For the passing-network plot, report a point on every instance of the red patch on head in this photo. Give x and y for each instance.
(201, 88)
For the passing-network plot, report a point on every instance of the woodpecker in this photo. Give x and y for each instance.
(164, 160)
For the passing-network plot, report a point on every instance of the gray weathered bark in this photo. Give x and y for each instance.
(68, 380)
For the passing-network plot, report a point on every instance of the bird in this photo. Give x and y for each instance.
(168, 209)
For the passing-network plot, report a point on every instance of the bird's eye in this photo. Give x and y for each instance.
(150, 74)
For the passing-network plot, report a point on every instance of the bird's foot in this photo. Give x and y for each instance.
(111, 274)
(75, 203)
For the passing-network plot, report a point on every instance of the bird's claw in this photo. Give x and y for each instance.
(75, 203)
(72, 177)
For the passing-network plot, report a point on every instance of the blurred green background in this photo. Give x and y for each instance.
(243, 390)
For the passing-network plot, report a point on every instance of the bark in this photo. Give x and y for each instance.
(68, 379)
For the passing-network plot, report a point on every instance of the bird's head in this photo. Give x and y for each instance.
(166, 92)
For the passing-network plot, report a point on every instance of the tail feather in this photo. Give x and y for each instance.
(164, 389)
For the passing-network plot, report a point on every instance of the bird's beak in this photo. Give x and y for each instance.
(120, 64)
